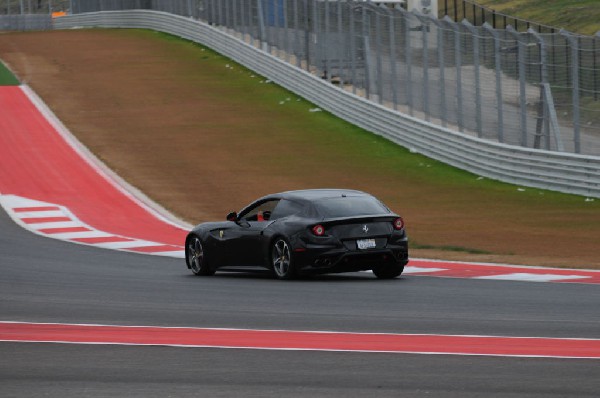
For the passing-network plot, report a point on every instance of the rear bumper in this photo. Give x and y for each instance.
(328, 260)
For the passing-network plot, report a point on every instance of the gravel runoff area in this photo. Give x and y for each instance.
(203, 136)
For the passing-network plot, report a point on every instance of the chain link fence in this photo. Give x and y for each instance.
(21, 7)
(524, 88)
(536, 90)
(23, 15)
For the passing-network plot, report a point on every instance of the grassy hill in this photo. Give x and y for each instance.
(581, 16)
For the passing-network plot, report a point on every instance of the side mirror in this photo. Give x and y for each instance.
(232, 216)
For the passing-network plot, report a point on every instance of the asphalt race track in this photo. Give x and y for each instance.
(44, 280)
(81, 320)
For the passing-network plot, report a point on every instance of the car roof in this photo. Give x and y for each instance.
(313, 194)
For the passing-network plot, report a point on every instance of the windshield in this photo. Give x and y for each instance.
(350, 206)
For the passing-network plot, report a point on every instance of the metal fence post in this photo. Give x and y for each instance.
(425, 54)
(542, 127)
(408, 60)
(442, 66)
(212, 20)
(595, 68)
(249, 21)
(595, 39)
(392, 38)
(522, 86)
(243, 21)
(367, 50)
(342, 44)
(234, 16)
(324, 45)
(352, 40)
(315, 31)
(458, 63)
(575, 90)
(474, 32)
(379, 77)
(261, 26)
(498, 69)
(286, 34)
(307, 31)
(297, 37)
(226, 21)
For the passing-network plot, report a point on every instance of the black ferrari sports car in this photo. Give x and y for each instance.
(302, 232)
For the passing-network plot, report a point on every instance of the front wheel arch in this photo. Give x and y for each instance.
(185, 248)
(195, 256)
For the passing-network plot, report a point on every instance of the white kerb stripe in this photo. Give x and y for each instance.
(413, 270)
(176, 254)
(36, 214)
(83, 234)
(526, 277)
(56, 224)
(127, 244)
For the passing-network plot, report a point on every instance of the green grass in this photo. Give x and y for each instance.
(581, 16)
(6, 76)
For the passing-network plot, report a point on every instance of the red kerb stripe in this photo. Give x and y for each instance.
(30, 209)
(155, 249)
(63, 230)
(102, 239)
(39, 220)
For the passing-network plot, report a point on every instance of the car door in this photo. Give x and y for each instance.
(224, 240)
(247, 249)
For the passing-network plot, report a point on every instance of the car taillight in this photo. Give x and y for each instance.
(318, 230)
(398, 223)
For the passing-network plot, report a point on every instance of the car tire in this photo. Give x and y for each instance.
(388, 271)
(196, 257)
(281, 259)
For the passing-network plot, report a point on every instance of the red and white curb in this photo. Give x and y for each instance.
(451, 269)
(534, 347)
(56, 221)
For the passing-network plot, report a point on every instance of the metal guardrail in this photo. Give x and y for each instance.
(569, 173)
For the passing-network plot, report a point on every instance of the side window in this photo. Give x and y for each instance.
(286, 208)
(261, 212)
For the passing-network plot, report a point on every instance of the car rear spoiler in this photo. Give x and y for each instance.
(361, 219)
